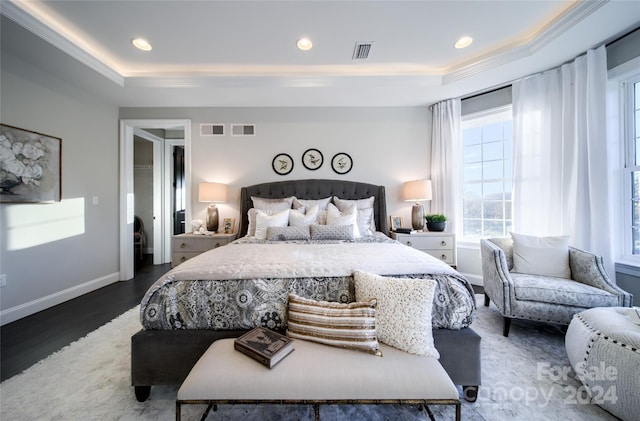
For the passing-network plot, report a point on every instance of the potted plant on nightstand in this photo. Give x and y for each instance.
(436, 222)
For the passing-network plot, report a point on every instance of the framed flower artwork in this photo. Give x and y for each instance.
(31, 166)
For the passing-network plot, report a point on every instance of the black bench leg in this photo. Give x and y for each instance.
(429, 413)
(470, 393)
(206, 413)
(487, 300)
(142, 392)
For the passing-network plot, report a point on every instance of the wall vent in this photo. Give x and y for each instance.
(243, 130)
(362, 50)
(211, 129)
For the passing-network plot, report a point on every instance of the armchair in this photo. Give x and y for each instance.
(544, 298)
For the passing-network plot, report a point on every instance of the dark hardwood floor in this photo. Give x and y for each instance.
(28, 340)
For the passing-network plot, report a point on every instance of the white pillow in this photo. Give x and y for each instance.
(322, 217)
(366, 221)
(546, 256)
(251, 228)
(264, 221)
(321, 203)
(348, 217)
(298, 218)
(403, 314)
(263, 203)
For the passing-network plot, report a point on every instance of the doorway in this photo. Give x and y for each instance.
(178, 203)
(163, 187)
(143, 183)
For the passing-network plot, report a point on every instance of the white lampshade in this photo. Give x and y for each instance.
(212, 192)
(417, 190)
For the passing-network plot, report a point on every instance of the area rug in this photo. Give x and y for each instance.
(524, 376)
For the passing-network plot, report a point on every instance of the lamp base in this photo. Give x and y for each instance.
(417, 217)
(212, 218)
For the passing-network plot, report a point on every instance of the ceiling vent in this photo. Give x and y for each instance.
(243, 130)
(362, 50)
(211, 129)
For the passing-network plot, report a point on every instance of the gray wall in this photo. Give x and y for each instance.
(53, 252)
(388, 146)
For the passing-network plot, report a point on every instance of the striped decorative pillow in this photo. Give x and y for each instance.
(350, 325)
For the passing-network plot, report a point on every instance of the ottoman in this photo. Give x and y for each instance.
(603, 346)
(317, 374)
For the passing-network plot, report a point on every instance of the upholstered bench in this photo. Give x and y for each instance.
(317, 374)
(603, 346)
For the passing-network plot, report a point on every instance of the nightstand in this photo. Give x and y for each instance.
(186, 246)
(441, 245)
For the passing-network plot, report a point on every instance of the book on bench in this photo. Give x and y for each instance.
(264, 345)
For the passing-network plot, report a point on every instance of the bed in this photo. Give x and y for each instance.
(226, 291)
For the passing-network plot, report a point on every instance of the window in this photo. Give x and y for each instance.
(632, 168)
(486, 174)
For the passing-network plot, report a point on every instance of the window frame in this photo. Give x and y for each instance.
(628, 132)
(488, 116)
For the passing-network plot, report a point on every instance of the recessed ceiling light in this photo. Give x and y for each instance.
(463, 42)
(304, 44)
(141, 44)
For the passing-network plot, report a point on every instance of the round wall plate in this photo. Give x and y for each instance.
(341, 163)
(282, 164)
(312, 159)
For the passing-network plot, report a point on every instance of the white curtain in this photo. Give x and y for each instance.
(560, 154)
(445, 139)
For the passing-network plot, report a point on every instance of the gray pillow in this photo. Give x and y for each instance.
(332, 232)
(288, 233)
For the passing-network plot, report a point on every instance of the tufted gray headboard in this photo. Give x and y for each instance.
(315, 189)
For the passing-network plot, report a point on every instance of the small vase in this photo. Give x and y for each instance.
(436, 226)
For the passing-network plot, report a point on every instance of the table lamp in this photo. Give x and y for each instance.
(212, 192)
(416, 191)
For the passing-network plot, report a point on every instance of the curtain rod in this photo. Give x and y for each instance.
(489, 91)
(479, 93)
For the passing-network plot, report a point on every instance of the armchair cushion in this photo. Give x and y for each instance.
(560, 291)
(547, 256)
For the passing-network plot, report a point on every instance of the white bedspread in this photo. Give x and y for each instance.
(246, 283)
(294, 260)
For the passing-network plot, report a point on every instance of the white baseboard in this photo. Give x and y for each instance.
(474, 279)
(23, 310)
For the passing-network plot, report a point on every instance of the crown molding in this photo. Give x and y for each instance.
(17, 12)
(34, 20)
(525, 48)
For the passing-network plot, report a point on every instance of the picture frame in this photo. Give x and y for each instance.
(312, 159)
(395, 222)
(282, 164)
(228, 225)
(31, 166)
(341, 163)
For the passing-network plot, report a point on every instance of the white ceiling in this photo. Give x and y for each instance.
(243, 53)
